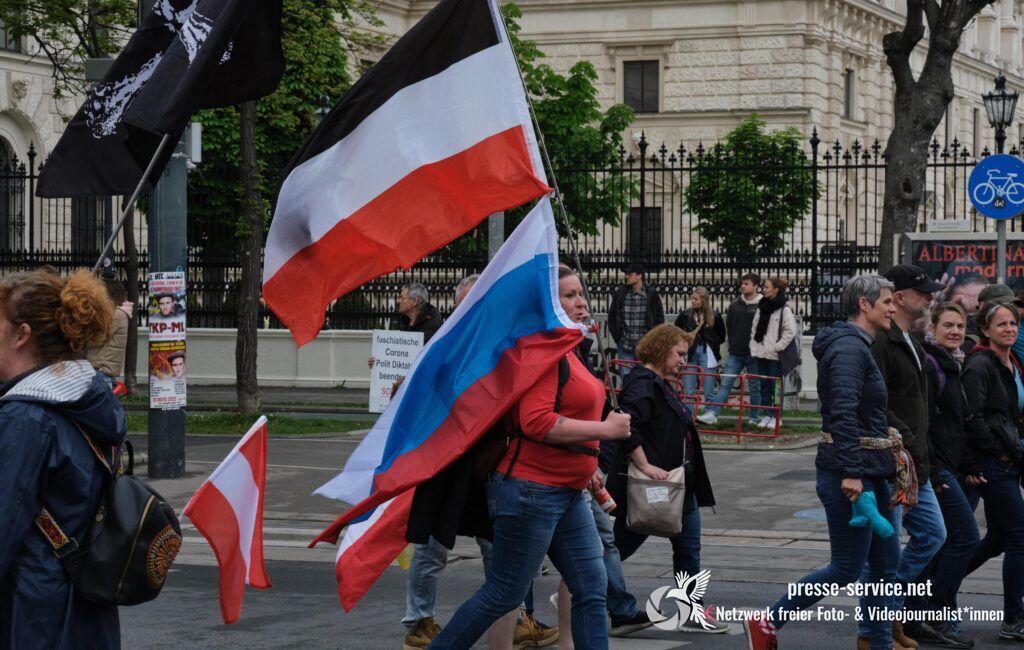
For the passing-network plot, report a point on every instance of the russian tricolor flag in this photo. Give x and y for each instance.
(509, 330)
(435, 137)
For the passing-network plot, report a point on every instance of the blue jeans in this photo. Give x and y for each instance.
(621, 603)
(851, 548)
(1004, 514)
(685, 545)
(428, 560)
(699, 358)
(625, 355)
(949, 566)
(927, 535)
(768, 368)
(734, 365)
(531, 520)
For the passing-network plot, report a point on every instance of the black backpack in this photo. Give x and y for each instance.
(131, 542)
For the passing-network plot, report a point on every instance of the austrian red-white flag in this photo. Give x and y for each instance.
(228, 511)
(431, 140)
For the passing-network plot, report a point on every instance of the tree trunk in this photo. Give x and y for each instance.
(919, 106)
(131, 348)
(251, 235)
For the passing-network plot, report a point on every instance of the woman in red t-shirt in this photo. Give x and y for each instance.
(537, 504)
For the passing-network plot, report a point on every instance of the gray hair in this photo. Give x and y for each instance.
(868, 286)
(417, 292)
(465, 282)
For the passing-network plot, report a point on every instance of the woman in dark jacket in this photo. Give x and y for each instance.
(662, 437)
(706, 351)
(852, 460)
(952, 465)
(49, 391)
(995, 398)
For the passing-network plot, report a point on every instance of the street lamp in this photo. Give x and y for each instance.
(324, 107)
(1000, 105)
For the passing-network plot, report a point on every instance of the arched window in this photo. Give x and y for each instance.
(12, 200)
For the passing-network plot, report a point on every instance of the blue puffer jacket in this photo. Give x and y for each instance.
(45, 460)
(853, 403)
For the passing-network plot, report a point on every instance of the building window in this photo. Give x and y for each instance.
(12, 200)
(643, 241)
(640, 81)
(849, 93)
(7, 41)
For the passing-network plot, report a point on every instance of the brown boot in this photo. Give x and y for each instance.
(863, 643)
(900, 639)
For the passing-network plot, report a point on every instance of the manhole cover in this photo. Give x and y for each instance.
(815, 514)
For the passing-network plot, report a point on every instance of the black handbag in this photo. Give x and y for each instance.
(131, 542)
(789, 357)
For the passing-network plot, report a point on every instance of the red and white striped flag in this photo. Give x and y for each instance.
(431, 140)
(228, 510)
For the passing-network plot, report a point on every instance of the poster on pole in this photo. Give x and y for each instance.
(965, 263)
(167, 306)
(167, 359)
(393, 353)
(167, 374)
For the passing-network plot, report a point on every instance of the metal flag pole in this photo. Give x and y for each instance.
(131, 202)
(602, 357)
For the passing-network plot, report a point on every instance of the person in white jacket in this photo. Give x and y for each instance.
(774, 327)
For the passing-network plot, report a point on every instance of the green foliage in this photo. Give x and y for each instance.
(317, 36)
(578, 134)
(69, 31)
(750, 191)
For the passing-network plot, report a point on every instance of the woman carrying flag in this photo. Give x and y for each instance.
(536, 499)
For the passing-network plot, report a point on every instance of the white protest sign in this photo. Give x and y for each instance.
(393, 354)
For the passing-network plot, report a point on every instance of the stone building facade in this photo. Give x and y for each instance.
(702, 66)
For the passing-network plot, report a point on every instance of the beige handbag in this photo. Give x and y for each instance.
(655, 507)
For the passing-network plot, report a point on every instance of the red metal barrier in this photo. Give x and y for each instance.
(740, 401)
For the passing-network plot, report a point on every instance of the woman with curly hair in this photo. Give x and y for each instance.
(51, 399)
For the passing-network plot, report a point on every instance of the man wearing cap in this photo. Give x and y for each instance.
(902, 361)
(636, 309)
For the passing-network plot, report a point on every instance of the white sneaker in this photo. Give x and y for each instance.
(553, 599)
(763, 422)
(770, 423)
(708, 417)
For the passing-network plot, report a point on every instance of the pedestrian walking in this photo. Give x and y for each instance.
(901, 360)
(995, 399)
(739, 325)
(706, 351)
(536, 500)
(952, 470)
(774, 326)
(415, 313)
(855, 456)
(663, 438)
(50, 400)
(636, 308)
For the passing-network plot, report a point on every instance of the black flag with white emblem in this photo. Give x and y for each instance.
(188, 54)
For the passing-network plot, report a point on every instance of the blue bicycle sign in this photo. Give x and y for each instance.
(996, 188)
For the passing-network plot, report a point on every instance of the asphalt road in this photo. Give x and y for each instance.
(765, 532)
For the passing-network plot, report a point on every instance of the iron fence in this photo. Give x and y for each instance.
(837, 237)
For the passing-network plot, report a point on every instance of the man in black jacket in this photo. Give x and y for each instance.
(636, 308)
(739, 322)
(902, 361)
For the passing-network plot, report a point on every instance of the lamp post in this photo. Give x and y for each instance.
(1000, 105)
(323, 108)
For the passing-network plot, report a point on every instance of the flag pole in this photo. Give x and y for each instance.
(131, 202)
(602, 357)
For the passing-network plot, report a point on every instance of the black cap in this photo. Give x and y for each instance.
(908, 276)
(635, 267)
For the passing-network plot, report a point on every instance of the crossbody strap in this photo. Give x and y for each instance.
(48, 526)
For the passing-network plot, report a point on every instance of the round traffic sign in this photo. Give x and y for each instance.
(996, 186)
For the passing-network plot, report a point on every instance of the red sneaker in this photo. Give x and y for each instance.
(760, 633)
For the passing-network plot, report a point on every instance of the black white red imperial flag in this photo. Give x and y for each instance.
(431, 140)
(187, 54)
